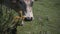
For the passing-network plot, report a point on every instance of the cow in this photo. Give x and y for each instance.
(24, 5)
(23, 8)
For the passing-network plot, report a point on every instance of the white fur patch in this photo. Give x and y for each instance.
(29, 12)
(29, 9)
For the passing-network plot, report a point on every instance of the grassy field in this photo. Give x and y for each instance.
(47, 18)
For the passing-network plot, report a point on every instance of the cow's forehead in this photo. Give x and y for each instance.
(27, 0)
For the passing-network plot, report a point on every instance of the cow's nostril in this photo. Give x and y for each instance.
(28, 19)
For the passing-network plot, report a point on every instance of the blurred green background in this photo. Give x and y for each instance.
(46, 18)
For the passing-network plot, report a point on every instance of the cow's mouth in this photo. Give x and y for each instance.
(28, 19)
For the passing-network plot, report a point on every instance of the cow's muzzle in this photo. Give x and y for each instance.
(28, 19)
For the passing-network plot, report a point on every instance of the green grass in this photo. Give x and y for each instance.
(47, 19)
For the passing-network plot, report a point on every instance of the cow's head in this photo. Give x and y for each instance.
(26, 6)
(29, 13)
